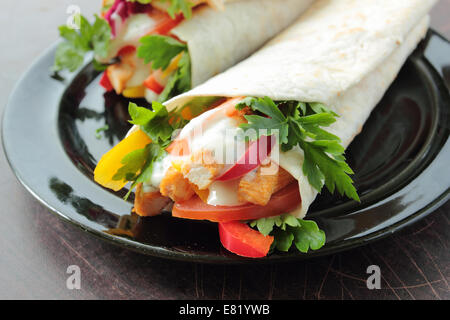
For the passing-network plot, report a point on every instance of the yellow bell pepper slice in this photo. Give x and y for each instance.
(173, 65)
(134, 92)
(111, 161)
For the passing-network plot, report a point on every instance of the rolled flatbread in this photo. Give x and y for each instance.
(216, 40)
(342, 53)
(219, 39)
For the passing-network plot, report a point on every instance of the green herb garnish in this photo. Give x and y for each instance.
(99, 130)
(301, 124)
(183, 6)
(159, 51)
(159, 125)
(70, 53)
(288, 230)
(138, 165)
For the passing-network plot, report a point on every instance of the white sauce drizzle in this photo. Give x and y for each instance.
(224, 193)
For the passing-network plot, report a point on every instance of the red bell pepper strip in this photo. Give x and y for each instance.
(105, 83)
(153, 85)
(242, 240)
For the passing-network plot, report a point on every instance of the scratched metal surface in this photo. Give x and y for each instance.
(36, 247)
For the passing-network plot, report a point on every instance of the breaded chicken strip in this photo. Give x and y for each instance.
(175, 186)
(149, 203)
(201, 169)
(257, 187)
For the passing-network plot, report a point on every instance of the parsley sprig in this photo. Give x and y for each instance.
(301, 124)
(138, 165)
(155, 123)
(160, 50)
(70, 53)
(159, 124)
(286, 229)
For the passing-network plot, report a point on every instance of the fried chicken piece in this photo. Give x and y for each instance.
(175, 186)
(149, 203)
(119, 73)
(257, 187)
(201, 169)
(202, 194)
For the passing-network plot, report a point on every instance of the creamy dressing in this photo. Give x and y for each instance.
(224, 193)
(220, 139)
(212, 138)
(216, 132)
(160, 168)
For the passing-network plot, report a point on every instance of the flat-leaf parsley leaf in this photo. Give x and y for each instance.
(302, 124)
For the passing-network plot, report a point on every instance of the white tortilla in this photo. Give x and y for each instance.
(219, 39)
(344, 53)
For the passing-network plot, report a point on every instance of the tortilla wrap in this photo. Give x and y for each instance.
(219, 39)
(343, 53)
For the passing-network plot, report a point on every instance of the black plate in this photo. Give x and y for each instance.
(401, 160)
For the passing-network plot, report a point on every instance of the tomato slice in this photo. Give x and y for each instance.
(284, 201)
(242, 240)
